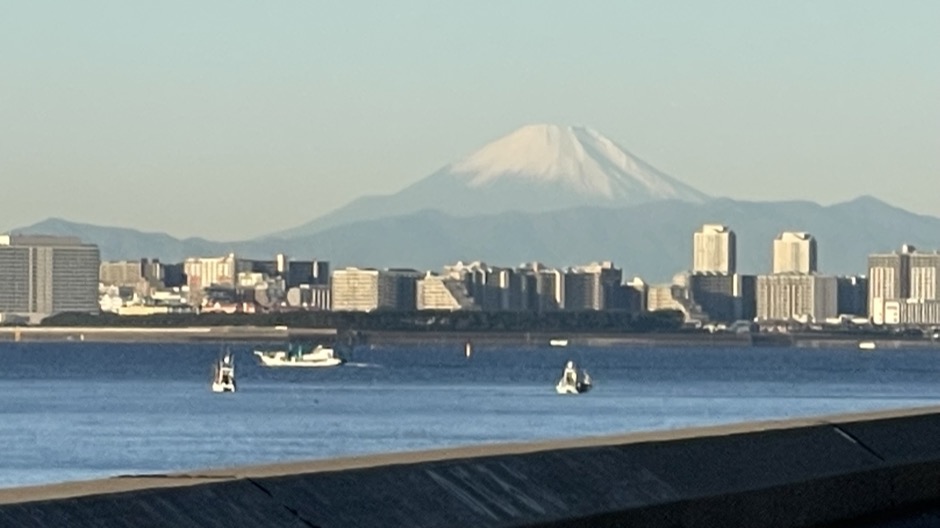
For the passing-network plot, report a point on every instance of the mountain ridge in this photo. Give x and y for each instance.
(640, 239)
(535, 168)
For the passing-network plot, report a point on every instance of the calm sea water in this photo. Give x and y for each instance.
(81, 410)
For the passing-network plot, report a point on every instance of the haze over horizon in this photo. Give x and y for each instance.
(231, 120)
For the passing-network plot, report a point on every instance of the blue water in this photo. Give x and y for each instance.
(82, 410)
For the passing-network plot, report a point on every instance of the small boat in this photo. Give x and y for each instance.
(558, 342)
(320, 356)
(867, 345)
(468, 349)
(223, 380)
(573, 380)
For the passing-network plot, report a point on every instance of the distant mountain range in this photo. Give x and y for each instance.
(652, 240)
(537, 168)
(560, 195)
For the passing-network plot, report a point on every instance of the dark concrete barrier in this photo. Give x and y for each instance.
(810, 472)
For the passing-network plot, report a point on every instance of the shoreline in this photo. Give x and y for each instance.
(218, 334)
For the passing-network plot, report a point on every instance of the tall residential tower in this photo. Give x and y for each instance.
(795, 252)
(714, 250)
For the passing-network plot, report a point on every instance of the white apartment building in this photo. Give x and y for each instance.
(796, 297)
(794, 252)
(435, 292)
(366, 289)
(714, 250)
(202, 272)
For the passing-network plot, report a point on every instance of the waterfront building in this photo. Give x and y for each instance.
(794, 252)
(202, 272)
(714, 250)
(924, 276)
(637, 295)
(595, 286)
(436, 292)
(308, 272)
(366, 289)
(852, 295)
(126, 273)
(543, 290)
(481, 282)
(674, 296)
(268, 268)
(174, 275)
(796, 297)
(725, 298)
(888, 277)
(310, 297)
(44, 275)
(142, 276)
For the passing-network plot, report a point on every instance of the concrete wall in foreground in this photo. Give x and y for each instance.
(798, 473)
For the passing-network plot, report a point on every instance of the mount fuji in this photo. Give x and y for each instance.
(535, 169)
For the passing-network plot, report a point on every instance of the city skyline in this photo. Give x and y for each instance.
(109, 109)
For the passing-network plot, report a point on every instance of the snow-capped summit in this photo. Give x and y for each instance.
(578, 158)
(537, 168)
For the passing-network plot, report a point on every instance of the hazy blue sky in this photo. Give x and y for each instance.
(231, 118)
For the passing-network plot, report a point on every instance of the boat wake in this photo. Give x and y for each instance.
(362, 365)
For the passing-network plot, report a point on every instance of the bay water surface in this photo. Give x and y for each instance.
(71, 411)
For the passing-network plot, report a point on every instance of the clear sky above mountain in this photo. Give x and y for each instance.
(229, 119)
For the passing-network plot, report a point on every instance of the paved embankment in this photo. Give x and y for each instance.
(456, 338)
(177, 335)
(806, 472)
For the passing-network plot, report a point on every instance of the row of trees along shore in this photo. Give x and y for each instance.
(397, 321)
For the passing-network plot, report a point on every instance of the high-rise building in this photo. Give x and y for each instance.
(796, 297)
(794, 252)
(126, 273)
(44, 275)
(853, 295)
(714, 250)
(592, 287)
(202, 272)
(724, 298)
(307, 272)
(889, 278)
(366, 290)
(544, 288)
(436, 292)
(924, 276)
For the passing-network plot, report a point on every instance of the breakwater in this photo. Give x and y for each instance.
(454, 338)
(857, 468)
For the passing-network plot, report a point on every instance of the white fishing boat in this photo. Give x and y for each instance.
(320, 356)
(867, 345)
(558, 342)
(223, 379)
(573, 380)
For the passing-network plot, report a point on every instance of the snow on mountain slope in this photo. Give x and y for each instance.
(578, 158)
(537, 168)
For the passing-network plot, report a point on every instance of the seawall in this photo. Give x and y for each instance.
(257, 334)
(791, 473)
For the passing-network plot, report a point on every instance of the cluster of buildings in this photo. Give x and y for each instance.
(793, 292)
(43, 275)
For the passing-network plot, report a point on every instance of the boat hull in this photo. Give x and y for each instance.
(579, 388)
(223, 387)
(281, 360)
